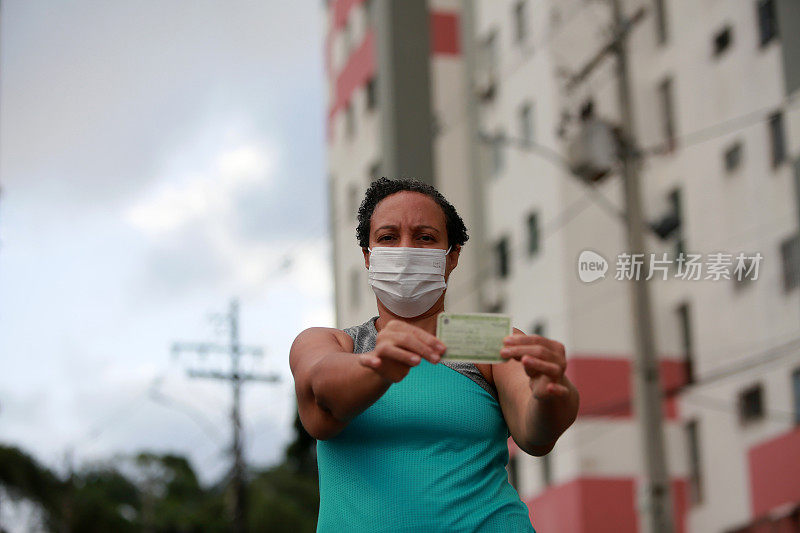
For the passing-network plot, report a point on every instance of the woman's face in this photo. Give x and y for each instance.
(413, 220)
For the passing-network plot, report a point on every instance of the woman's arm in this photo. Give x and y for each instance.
(538, 401)
(333, 385)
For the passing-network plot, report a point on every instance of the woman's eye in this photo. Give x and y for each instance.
(426, 238)
(385, 238)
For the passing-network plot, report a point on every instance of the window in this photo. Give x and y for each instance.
(667, 112)
(695, 467)
(661, 21)
(489, 52)
(355, 288)
(533, 234)
(501, 256)
(486, 67)
(498, 161)
(350, 120)
(675, 203)
(790, 256)
(796, 395)
(372, 95)
(685, 326)
(555, 17)
(352, 200)
(520, 21)
(767, 21)
(369, 12)
(526, 123)
(777, 139)
(733, 157)
(498, 306)
(722, 40)
(751, 404)
(547, 469)
(375, 171)
(513, 471)
(347, 39)
(680, 247)
(739, 272)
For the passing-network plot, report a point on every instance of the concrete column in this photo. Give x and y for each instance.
(402, 31)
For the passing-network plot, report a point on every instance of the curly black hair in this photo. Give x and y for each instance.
(383, 187)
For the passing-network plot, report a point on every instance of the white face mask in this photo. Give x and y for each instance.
(408, 281)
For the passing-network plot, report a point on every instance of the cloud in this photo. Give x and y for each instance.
(98, 96)
(174, 204)
(158, 158)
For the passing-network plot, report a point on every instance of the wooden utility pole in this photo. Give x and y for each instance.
(236, 378)
(655, 506)
(654, 501)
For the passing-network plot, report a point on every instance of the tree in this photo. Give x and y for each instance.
(301, 454)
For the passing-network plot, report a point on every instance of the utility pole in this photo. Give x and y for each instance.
(236, 378)
(654, 501)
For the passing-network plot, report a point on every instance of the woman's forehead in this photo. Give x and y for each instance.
(408, 207)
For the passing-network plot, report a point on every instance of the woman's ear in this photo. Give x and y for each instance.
(365, 251)
(452, 257)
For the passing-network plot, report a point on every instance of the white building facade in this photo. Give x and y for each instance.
(716, 102)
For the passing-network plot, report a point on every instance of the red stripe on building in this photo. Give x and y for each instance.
(362, 62)
(341, 10)
(774, 472)
(359, 69)
(604, 385)
(444, 34)
(590, 504)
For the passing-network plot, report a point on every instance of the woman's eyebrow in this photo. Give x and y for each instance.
(416, 228)
(425, 226)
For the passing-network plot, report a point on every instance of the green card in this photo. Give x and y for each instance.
(473, 337)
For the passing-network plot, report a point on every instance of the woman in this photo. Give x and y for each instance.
(407, 442)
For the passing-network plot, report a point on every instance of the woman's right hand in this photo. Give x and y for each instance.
(400, 346)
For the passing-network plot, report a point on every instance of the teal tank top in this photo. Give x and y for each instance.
(430, 455)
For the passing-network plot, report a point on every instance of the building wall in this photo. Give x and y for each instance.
(740, 335)
(730, 324)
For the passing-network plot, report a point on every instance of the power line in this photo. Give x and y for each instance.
(558, 160)
(208, 427)
(115, 417)
(687, 390)
(557, 222)
(722, 128)
(600, 413)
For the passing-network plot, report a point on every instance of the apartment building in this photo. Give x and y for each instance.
(716, 114)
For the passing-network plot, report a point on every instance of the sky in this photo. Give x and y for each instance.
(157, 159)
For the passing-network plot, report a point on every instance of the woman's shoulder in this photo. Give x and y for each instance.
(323, 335)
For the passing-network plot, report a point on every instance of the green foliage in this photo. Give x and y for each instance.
(24, 478)
(100, 499)
(283, 501)
(173, 499)
(301, 453)
(162, 493)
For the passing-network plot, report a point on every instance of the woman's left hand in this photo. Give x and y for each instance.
(543, 359)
